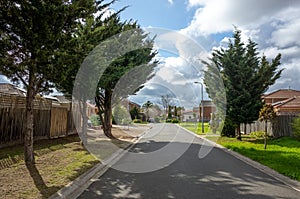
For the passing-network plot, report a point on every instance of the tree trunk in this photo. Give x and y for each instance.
(107, 120)
(238, 128)
(28, 136)
(82, 108)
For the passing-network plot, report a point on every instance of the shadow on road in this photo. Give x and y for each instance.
(218, 175)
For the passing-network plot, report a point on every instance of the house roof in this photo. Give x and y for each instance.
(293, 102)
(283, 93)
(187, 112)
(207, 103)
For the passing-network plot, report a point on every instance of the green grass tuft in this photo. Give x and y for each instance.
(282, 155)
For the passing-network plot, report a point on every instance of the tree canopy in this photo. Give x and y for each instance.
(245, 75)
(139, 55)
(33, 37)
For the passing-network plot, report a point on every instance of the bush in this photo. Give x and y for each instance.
(95, 120)
(168, 120)
(156, 119)
(296, 128)
(137, 121)
(175, 121)
(258, 134)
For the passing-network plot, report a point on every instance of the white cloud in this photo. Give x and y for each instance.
(287, 34)
(215, 16)
(171, 2)
(273, 24)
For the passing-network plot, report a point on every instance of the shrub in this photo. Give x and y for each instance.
(258, 134)
(296, 127)
(168, 120)
(156, 119)
(137, 121)
(175, 121)
(228, 129)
(95, 120)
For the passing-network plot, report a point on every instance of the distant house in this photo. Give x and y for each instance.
(188, 115)
(129, 104)
(285, 101)
(208, 109)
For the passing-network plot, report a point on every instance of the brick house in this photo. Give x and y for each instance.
(208, 109)
(285, 101)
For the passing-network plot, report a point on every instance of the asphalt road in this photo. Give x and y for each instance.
(165, 163)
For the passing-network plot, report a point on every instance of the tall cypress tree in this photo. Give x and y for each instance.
(245, 75)
(122, 65)
(33, 37)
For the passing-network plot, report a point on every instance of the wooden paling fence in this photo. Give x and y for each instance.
(50, 120)
(281, 126)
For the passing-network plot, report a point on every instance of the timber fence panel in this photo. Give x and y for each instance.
(48, 121)
(281, 126)
(59, 118)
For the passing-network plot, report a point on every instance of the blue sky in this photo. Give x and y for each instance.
(273, 24)
(157, 13)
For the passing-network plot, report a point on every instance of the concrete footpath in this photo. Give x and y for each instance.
(74, 189)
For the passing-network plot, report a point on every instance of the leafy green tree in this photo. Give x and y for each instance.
(87, 36)
(95, 120)
(120, 114)
(170, 112)
(141, 57)
(245, 75)
(166, 103)
(135, 113)
(266, 114)
(33, 36)
(175, 111)
(146, 106)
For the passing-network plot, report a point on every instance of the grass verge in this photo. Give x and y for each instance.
(282, 155)
(196, 127)
(58, 162)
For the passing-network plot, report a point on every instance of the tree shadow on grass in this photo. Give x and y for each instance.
(14, 154)
(39, 182)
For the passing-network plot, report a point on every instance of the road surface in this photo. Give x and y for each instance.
(168, 166)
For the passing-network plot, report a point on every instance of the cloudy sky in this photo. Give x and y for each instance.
(187, 31)
(273, 24)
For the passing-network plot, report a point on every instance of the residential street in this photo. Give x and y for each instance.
(155, 172)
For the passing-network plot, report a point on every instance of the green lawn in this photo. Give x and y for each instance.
(282, 155)
(196, 127)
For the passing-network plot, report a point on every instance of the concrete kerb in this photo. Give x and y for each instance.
(76, 187)
(274, 174)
